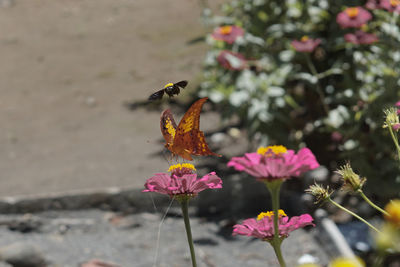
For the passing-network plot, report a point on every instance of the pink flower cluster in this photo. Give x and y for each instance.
(398, 107)
(353, 17)
(264, 228)
(360, 37)
(356, 17)
(228, 34)
(305, 44)
(269, 165)
(226, 58)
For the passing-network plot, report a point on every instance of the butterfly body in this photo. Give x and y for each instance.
(170, 89)
(186, 139)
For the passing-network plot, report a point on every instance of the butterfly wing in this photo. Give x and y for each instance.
(189, 139)
(157, 95)
(168, 128)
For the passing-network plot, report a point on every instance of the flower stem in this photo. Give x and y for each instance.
(353, 214)
(371, 203)
(184, 206)
(274, 188)
(395, 140)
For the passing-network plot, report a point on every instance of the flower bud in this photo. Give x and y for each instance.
(351, 180)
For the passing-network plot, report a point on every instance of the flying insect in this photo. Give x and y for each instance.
(170, 89)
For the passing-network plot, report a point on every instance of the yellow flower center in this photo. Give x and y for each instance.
(225, 30)
(274, 150)
(394, 3)
(178, 167)
(168, 85)
(304, 38)
(352, 12)
(262, 215)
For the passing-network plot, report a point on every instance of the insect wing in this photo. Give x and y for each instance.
(157, 95)
(198, 143)
(168, 127)
(182, 84)
(188, 135)
(191, 119)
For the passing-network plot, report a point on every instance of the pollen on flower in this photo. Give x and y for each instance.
(262, 215)
(225, 30)
(304, 38)
(168, 85)
(183, 168)
(276, 150)
(352, 12)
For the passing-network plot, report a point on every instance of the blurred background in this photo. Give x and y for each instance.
(69, 68)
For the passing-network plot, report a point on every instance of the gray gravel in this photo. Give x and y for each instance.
(69, 238)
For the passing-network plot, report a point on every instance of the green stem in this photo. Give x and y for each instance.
(184, 206)
(353, 214)
(274, 188)
(371, 203)
(314, 72)
(396, 142)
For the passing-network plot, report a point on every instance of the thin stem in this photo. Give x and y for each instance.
(274, 188)
(184, 206)
(318, 88)
(353, 214)
(396, 142)
(371, 203)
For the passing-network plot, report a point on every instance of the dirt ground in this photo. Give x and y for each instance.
(66, 70)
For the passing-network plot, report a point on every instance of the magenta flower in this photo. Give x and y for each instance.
(360, 37)
(353, 17)
(181, 181)
(227, 34)
(263, 226)
(305, 44)
(232, 61)
(390, 5)
(275, 162)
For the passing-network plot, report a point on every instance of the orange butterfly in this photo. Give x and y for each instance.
(186, 139)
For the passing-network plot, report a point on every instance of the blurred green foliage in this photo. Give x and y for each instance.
(330, 100)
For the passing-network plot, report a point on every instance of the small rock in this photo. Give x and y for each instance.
(90, 101)
(98, 263)
(22, 255)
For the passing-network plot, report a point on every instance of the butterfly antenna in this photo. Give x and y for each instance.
(159, 232)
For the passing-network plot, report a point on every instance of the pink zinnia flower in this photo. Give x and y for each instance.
(390, 5)
(181, 181)
(232, 61)
(275, 162)
(227, 34)
(305, 44)
(360, 37)
(353, 17)
(263, 226)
